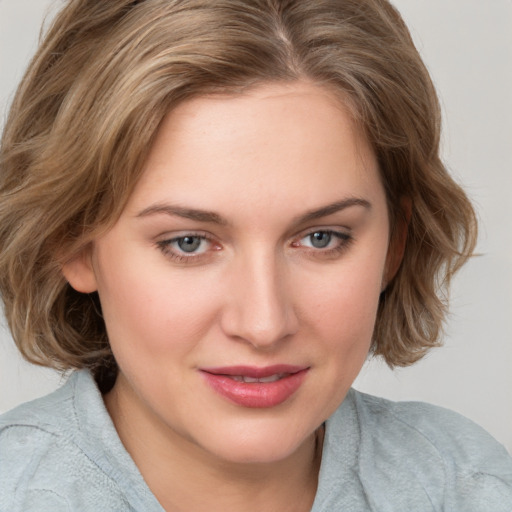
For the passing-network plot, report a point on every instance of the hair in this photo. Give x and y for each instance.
(107, 73)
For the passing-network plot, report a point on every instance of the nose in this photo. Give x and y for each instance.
(259, 307)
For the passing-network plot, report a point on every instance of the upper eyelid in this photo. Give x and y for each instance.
(169, 237)
(166, 240)
(342, 231)
(335, 230)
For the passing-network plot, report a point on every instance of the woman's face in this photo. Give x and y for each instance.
(240, 285)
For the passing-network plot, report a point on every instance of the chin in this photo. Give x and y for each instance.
(249, 455)
(259, 445)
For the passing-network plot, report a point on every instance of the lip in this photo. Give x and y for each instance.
(255, 394)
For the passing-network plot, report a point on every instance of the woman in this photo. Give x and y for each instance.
(216, 211)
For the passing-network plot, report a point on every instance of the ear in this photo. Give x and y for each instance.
(398, 242)
(79, 271)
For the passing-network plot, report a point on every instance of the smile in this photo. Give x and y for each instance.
(247, 379)
(256, 387)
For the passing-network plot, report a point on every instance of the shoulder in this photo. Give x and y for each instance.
(451, 435)
(52, 419)
(34, 430)
(449, 456)
(43, 464)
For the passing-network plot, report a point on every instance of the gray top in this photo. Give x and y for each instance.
(62, 453)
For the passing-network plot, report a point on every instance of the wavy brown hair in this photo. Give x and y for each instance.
(107, 73)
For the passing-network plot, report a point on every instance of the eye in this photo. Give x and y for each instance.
(189, 244)
(187, 248)
(324, 242)
(324, 239)
(318, 239)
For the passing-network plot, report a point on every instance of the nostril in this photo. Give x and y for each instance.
(260, 324)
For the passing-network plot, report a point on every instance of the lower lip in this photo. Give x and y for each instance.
(256, 394)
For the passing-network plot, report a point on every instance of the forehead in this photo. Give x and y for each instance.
(277, 142)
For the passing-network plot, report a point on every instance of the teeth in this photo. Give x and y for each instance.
(271, 378)
(251, 380)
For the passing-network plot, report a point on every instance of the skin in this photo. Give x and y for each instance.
(256, 291)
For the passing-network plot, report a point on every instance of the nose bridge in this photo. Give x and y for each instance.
(260, 309)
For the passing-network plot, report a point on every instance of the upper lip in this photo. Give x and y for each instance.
(254, 371)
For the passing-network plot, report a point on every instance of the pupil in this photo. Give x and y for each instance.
(189, 243)
(320, 239)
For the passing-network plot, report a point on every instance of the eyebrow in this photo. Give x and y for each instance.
(186, 213)
(332, 208)
(214, 218)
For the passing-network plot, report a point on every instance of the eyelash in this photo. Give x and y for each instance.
(344, 240)
(182, 257)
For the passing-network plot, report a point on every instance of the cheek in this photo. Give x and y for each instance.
(349, 294)
(148, 309)
(342, 307)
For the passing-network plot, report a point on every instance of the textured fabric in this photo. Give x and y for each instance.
(384, 456)
(62, 453)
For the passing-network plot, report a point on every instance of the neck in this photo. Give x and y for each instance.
(184, 477)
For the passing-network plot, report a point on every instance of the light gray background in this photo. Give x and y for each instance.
(467, 45)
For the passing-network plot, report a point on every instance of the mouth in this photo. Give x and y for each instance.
(252, 380)
(256, 387)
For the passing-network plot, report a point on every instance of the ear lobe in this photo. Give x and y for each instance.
(79, 272)
(398, 242)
